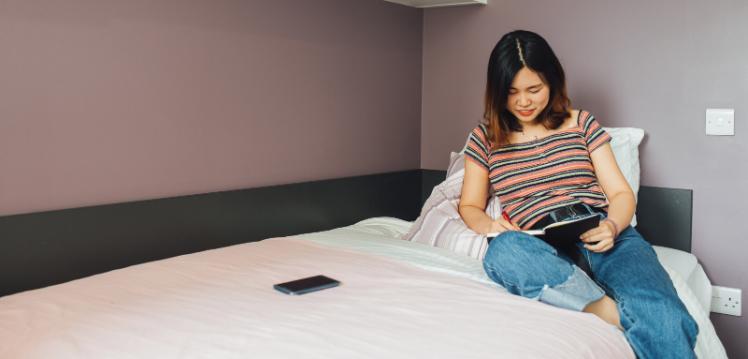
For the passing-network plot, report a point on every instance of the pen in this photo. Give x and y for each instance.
(506, 217)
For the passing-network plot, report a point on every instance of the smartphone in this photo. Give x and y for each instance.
(306, 285)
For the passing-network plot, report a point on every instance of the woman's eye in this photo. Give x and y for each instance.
(535, 91)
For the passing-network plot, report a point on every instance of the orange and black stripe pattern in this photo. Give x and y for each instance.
(536, 177)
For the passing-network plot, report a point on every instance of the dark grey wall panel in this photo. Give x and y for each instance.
(665, 216)
(429, 179)
(41, 249)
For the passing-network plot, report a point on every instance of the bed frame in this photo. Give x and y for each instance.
(46, 248)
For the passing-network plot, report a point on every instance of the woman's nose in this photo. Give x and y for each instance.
(523, 100)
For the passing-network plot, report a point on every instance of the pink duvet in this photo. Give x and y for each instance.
(221, 304)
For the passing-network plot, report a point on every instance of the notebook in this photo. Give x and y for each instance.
(562, 233)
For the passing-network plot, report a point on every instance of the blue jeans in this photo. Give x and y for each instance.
(655, 321)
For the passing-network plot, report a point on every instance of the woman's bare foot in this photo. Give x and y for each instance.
(606, 309)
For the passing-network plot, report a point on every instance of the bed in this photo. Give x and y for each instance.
(191, 277)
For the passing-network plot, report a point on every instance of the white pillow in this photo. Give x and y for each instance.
(440, 224)
(625, 145)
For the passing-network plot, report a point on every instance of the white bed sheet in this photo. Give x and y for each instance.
(220, 304)
(689, 269)
(689, 278)
(683, 263)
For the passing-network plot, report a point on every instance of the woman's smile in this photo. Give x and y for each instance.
(526, 113)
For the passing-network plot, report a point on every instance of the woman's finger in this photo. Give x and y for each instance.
(607, 247)
(592, 232)
(594, 247)
(601, 246)
(508, 225)
(497, 226)
(595, 237)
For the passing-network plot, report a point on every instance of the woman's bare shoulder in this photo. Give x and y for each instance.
(573, 120)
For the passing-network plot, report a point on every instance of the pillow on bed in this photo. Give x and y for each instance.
(625, 145)
(440, 224)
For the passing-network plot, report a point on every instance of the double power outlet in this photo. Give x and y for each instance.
(726, 300)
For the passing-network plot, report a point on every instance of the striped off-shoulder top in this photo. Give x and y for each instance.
(536, 177)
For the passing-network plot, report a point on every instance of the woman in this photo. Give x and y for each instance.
(545, 160)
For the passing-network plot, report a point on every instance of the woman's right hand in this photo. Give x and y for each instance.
(472, 206)
(501, 225)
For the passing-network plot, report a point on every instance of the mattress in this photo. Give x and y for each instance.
(683, 263)
(689, 269)
(398, 299)
(688, 276)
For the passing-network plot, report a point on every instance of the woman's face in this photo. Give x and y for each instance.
(528, 96)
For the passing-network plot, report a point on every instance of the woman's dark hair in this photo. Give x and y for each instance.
(514, 51)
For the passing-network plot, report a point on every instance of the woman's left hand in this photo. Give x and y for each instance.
(600, 239)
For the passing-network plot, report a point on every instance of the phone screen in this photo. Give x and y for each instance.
(306, 285)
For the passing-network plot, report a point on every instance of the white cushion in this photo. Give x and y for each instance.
(625, 145)
(440, 224)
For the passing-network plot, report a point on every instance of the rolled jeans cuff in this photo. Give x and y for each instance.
(575, 293)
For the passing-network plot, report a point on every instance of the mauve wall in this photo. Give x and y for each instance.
(651, 64)
(109, 100)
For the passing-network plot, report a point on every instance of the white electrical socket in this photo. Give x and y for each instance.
(726, 300)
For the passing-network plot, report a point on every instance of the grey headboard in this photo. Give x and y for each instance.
(41, 249)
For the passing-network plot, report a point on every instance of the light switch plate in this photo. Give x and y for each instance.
(720, 122)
